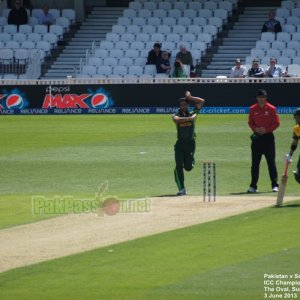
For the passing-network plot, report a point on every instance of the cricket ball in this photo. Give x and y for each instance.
(111, 206)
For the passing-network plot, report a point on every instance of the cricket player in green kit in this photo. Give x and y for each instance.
(185, 145)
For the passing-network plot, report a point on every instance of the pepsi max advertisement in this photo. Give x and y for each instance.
(137, 98)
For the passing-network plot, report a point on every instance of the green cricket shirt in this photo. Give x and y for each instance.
(186, 130)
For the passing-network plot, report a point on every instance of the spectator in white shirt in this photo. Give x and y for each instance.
(239, 70)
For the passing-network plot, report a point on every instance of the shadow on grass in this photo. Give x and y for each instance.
(246, 193)
(297, 205)
(170, 195)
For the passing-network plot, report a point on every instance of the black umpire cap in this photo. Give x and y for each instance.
(261, 92)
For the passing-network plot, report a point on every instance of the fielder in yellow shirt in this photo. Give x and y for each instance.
(296, 137)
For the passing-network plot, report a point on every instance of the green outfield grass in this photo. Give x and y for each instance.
(224, 260)
(72, 155)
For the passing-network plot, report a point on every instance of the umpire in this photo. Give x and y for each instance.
(263, 120)
(185, 145)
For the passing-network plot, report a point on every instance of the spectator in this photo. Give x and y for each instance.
(163, 63)
(274, 70)
(154, 54)
(272, 25)
(239, 70)
(185, 56)
(45, 18)
(179, 70)
(18, 14)
(255, 70)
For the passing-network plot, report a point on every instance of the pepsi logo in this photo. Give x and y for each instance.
(99, 100)
(14, 101)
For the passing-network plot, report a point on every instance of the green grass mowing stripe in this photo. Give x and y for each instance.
(169, 265)
(73, 155)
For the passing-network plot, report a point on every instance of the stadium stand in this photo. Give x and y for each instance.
(168, 22)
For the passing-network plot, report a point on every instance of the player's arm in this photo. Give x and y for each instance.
(197, 101)
(178, 119)
(294, 145)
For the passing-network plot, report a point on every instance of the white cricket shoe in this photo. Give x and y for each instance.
(251, 190)
(181, 192)
(275, 188)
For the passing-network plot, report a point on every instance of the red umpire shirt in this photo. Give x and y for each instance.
(265, 116)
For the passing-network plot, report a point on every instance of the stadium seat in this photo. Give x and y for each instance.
(295, 12)
(175, 13)
(291, 53)
(132, 53)
(165, 5)
(68, 13)
(104, 70)
(200, 21)
(268, 36)
(288, 4)
(262, 45)
(110, 61)
(150, 70)
(164, 29)
(184, 21)
(150, 29)
(211, 5)
(11, 29)
(95, 61)
(19, 37)
(143, 37)
(25, 28)
(139, 21)
(137, 45)
(282, 12)
(155, 21)
(120, 70)
(130, 13)
(21, 56)
(57, 29)
(27, 45)
(258, 53)
(34, 37)
(117, 53)
(278, 45)
(126, 61)
(205, 13)
(135, 70)
(55, 12)
(102, 53)
(144, 13)
(119, 29)
(194, 5)
(107, 45)
(12, 45)
(150, 5)
(179, 29)
(188, 37)
(135, 5)
(134, 29)
(283, 36)
(273, 53)
(283, 61)
(122, 45)
(127, 37)
(169, 21)
(41, 29)
(190, 13)
(124, 21)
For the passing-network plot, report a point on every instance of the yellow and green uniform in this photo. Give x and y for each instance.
(185, 147)
(296, 136)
